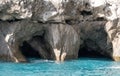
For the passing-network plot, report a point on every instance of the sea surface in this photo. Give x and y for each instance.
(80, 67)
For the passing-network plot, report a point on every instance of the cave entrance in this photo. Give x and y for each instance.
(28, 51)
(85, 53)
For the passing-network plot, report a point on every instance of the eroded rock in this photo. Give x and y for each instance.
(17, 32)
(15, 9)
(95, 38)
(65, 41)
(112, 28)
(57, 29)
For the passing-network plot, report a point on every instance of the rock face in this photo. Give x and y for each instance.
(112, 28)
(15, 9)
(95, 38)
(59, 29)
(65, 41)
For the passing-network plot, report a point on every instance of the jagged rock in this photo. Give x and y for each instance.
(112, 28)
(58, 29)
(58, 10)
(15, 9)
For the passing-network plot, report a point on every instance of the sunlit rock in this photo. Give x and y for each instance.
(112, 28)
(15, 9)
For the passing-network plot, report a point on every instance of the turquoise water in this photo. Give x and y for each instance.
(80, 67)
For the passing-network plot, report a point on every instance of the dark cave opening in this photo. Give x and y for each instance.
(85, 53)
(86, 13)
(28, 51)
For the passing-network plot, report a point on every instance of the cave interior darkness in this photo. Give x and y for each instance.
(30, 52)
(84, 52)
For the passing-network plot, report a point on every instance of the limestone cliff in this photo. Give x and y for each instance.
(59, 29)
